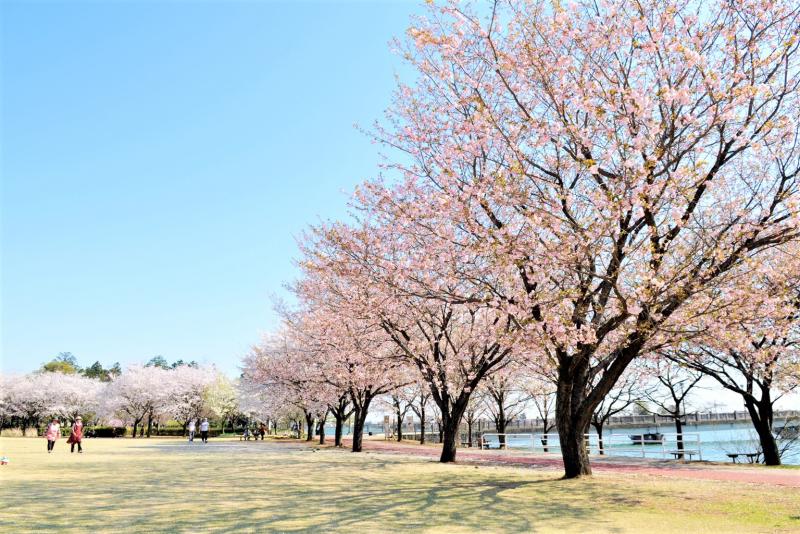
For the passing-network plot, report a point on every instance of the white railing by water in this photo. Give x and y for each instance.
(676, 446)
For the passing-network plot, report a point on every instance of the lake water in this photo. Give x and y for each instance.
(714, 441)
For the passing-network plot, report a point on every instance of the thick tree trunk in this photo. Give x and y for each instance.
(449, 429)
(135, 426)
(149, 423)
(450, 437)
(761, 415)
(449, 444)
(572, 424)
(573, 448)
(309, 426)
(340, 414)
(500, 424)
(321, 431)
(577, 400)
(769, 446)
(359, 418)
(337, 438)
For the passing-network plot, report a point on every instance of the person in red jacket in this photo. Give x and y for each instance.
(76, 436)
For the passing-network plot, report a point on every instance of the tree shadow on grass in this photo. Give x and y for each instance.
(169, 488)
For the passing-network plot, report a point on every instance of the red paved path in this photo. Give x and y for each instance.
(665, 468)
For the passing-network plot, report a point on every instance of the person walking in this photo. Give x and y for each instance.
(52, 433)
(192, 430)
(76, 435)
(204, 430)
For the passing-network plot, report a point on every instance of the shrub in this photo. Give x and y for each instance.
(106, 432)
(169, 432)
(18, 433)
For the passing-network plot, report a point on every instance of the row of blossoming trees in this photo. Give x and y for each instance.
(140, 396)
(573, 188)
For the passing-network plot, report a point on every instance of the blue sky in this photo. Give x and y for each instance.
(158, 160)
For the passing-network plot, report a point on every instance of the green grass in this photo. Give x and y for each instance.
(126, 485)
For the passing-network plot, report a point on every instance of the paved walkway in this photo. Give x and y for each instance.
(666, 468)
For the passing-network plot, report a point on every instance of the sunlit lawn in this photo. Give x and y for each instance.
(128, 485)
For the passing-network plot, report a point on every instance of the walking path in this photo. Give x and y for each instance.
(667, 468)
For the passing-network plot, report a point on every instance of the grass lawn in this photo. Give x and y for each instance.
(127, 485)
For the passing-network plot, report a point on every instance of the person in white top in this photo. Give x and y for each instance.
(192, 429)
(52, 434)
(204, 430)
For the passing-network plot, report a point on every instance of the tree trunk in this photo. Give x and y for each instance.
(359, 418)
(422, 424)
(573, 448)
(769, 447)
(149, 423)
(572, 424)
(761, 415)
(577, 399)
(599, 429)
(679, 432)
(321, 431)
(337, 439)
(449, 443)
(500, 424)
(135, 426)
(451, 422)
(450, 426)
(469, 432)
(309, 426)
(399, 423)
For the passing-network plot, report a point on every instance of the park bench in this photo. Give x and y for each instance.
(752, 457)
(685, 452)
(487, 444)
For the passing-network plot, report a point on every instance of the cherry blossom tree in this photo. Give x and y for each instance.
(185, 391)
(475, 409)
(72, 395)
(614, 167)
(420, 400)
(752, 349)
(288, 376)
(399, 403)
(505, 398)
(25, 397)
(137, 394)
(674, 386)
(221, 398)
(631, 388)
(374, 274)
(341, 410)
(332, 324)
(542, 392)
